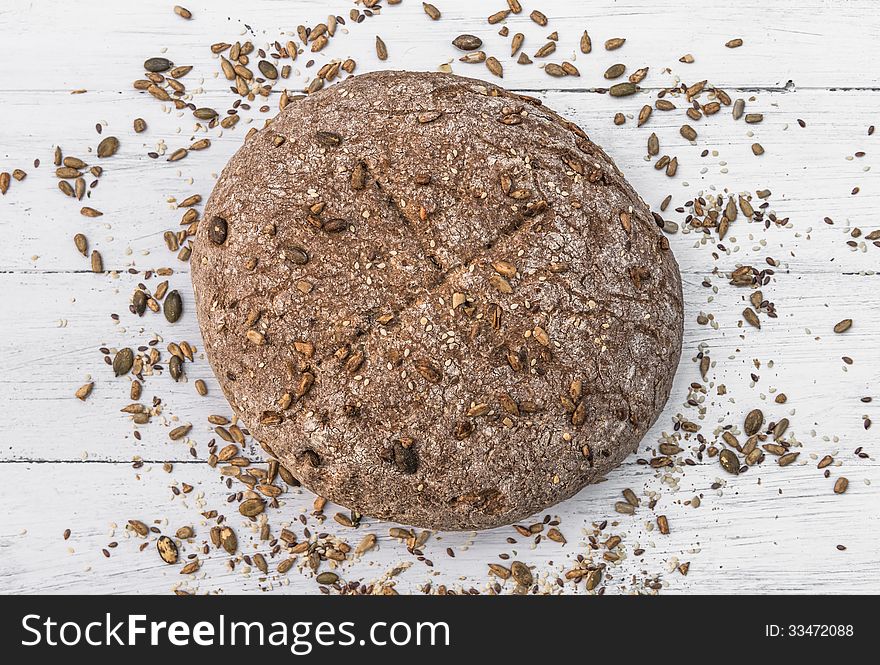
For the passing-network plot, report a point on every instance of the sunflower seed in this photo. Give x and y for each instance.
(381, 49)
(545, 50)
(516, 43)
(751, 318)
(494, 66)
(586, 43)
(431, 11)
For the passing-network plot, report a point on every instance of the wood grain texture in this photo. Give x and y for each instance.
(68, 464)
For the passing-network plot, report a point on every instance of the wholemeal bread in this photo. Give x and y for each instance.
(436, 301)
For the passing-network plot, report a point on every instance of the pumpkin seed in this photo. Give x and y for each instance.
(327, 578)
(218, 230)
(467, 42)
(753, 422)
(251, 507)
(167, 549)
(521, 573)
(173, 306)
(729, 461)
(615, 71)
(123, 361)
(267, 69)
(157, 65)
(623, 89)
(108, 147)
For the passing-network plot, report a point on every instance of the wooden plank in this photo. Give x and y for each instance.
(772, 529)
(67, 464)
(811, 171)
(59, 322)
(811, 43)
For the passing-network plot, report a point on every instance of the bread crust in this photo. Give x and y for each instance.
(436, 301)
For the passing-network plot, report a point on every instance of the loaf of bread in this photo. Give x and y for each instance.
(436, 301)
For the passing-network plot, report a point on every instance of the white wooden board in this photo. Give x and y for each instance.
(68, 464)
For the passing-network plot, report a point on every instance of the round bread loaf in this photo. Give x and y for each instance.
(436, 301)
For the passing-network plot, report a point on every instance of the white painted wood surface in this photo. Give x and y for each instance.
(68, 464)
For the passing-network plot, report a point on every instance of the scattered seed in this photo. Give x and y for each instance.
(431, 11)
(729, 461)
(108, 147)
(381, 49)
(467, 42)
(521, 573)
(167, 549)
(157, 65)
(586, 43)
(615, 71)
(688, 132)
(538, 18)
(623, 89)
(494, 67)
(173, 307)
